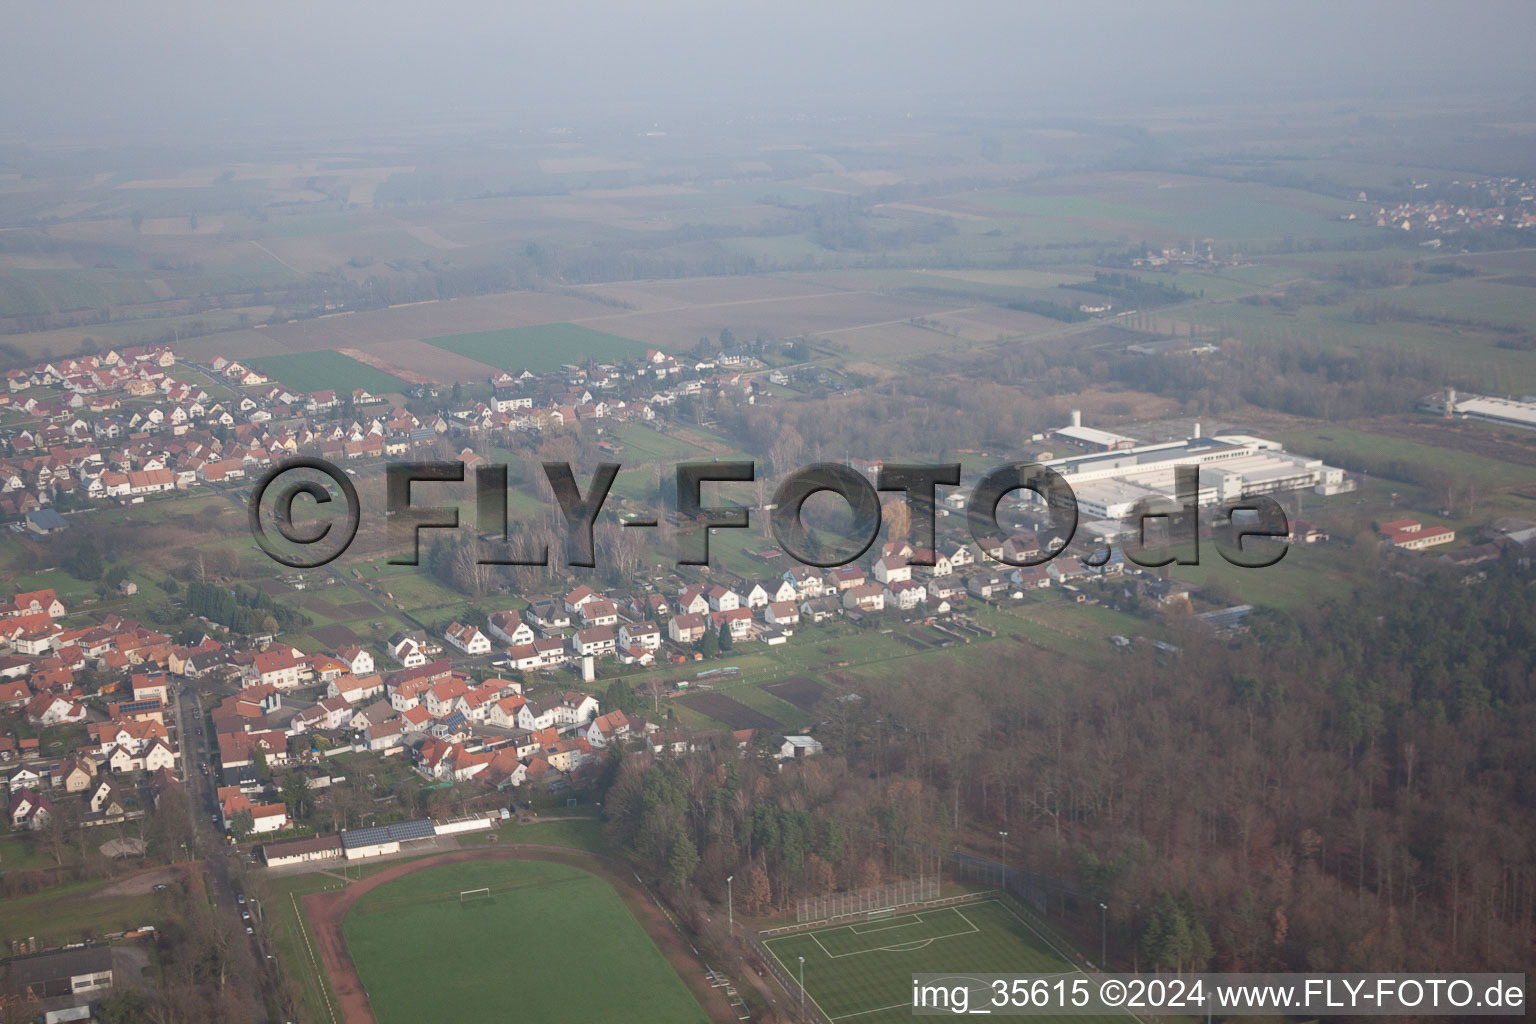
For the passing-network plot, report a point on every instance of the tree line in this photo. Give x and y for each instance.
(1345, 787)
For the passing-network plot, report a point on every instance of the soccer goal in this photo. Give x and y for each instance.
(467, 896)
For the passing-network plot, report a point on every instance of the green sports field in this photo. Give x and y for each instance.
(539, 349)
(863, 971)
(551, 943)
(327, 371)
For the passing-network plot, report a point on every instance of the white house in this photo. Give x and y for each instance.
(692, 601)
(510, 629)
(866, 597)
(906, 594)
(406, 650)
(808, 583)
(959, 554)
(640, 634)
(599, 613)
(578, 597)
(359, 661)
(355, 689)
(597, 641)
(504, 713)
(782, 614)
(686, 629)
(467, 639)
(605, 729)
(277, 668)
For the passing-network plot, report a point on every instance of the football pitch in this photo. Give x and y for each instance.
(862, 972)
(485, 940)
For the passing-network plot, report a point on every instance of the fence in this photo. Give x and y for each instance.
(865, 901)
(790, 985)
(1051, 898)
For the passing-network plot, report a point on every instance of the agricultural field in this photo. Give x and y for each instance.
(322, 371)
(1170, 207)
(730, 711)
(863, 970)
(541, 348)
(418, 947)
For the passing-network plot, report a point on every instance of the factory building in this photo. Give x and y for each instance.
(1504, 411)
(1110, 484)
(1093, 440)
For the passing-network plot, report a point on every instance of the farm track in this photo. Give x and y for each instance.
(325, 912)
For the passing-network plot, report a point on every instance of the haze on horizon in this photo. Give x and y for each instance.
(173, 71)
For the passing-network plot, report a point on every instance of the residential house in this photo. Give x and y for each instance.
(892, 569)
(509, 628)
(687, 629)
(359, 661)
(408, 651)
(866, 597)
(723, 599)
(594, 642)
(468, 639)
(640, 634)
(782, 614)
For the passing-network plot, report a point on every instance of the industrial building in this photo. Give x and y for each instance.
(1505, 411)
(1109, 484)
(1087, 437)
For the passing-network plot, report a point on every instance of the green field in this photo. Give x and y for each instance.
(321, 371)
(865, 969)
(540, 349)
(74, 912)
(552, 940)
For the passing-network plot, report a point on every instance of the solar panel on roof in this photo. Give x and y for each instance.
(400, 831)
(421, 828)
(356, 837)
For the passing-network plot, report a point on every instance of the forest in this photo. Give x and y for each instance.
(1343, 788)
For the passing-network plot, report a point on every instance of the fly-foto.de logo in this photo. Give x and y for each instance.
(275, 506)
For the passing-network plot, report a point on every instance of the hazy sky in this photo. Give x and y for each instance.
(220, 69)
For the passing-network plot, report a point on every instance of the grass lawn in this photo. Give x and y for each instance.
(287, 929)
(57, 580)
(68, 913)
(1352, 448)
(540, 349)
(865, 969)
(582, 834)
(320, 371)
(18, 853)
(419, 949)
(642, 445)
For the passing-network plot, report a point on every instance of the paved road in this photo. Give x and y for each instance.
(210, 842)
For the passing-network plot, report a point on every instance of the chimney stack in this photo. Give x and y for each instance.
(1197, 428)
(1077, 417)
